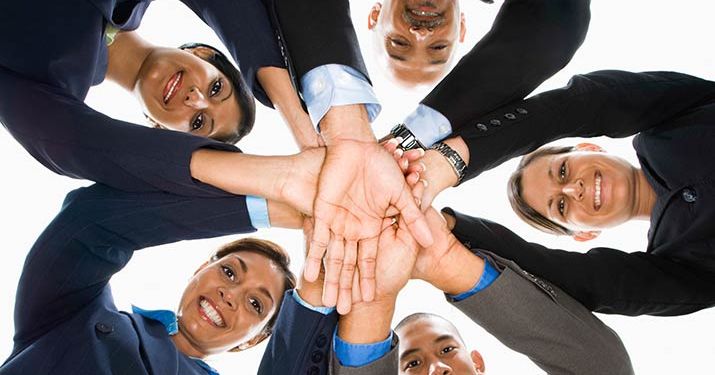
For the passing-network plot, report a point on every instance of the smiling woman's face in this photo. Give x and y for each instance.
(581, 190)
(181, 91)
(229, 301)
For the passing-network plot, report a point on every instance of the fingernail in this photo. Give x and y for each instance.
(398, 139)
(418, 201)
(424, 182)
(424, 167)
(399, 152)
(421, 152)
(393, 141)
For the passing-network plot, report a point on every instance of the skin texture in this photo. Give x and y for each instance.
(432, 345)
(572, 186)
(245, 299)
(416, 49)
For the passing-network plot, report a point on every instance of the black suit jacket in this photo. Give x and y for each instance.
(674, 117)
(530, 40)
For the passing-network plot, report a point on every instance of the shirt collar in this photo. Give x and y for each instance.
(168, 319)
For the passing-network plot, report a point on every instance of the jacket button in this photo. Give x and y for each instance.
(510, 116)
(104, 328)
(313, 370)
(495, 122)
(316, 356)
(689, 195)
(321, 341)
(482, 127)
(521, 111)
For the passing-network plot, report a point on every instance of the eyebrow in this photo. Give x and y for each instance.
(230, 93)
(244, 268)
(397, 57)
(267, 293)
(438, 62)
(551, 177)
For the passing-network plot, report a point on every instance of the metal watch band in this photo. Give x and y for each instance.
(456, 161)
(409, 141)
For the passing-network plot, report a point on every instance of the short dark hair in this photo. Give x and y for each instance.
(268, 249)
(516, 197)
(423, 315)
(242, 93)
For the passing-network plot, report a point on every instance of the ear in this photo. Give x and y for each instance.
(462, 28)
(373, 15)
(589, 147)
(252, 342)
(478, 362)
(204, 53)
(583, 236)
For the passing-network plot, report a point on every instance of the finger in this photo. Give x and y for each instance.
(346, 277)
(333, 262)
(418, 191)
(414, 218)
(412, 179)
(367, 256)
(318, 246)
(356, 295)
(417, 166)
(414, 154)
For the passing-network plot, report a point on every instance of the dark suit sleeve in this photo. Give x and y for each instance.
(315, 33)
(93, 237)
(530, 40)
(72, 139)
(609, 102)
(604, 280)
(301, 342)
(245, 29)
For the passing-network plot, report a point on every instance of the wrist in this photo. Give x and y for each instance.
(464, 270)
(439, 173)
(367, 322)
(346, 123)
(312, 293)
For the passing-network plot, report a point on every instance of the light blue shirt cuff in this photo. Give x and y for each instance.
(488, 276)
(334, 84)
(428, 125)
(356, 355)
(319, 309)
(258, 212)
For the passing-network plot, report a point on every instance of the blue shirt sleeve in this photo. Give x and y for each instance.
(428, 125)
(258, 212)
(489, 275)
(356, 355)
(332, 85)
(320, 309)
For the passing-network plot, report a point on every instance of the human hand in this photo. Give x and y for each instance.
(358, 183)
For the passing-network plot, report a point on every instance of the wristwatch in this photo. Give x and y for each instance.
(456, 161)
(409, 141)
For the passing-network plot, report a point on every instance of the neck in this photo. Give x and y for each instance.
(184, 345)
(126, 56)
(644, 196)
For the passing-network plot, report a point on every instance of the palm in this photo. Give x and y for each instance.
(429, 259)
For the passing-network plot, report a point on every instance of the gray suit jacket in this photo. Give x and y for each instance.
(560, 336)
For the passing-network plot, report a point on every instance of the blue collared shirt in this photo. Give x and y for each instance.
(331, 85)
(428, 125)
(168, 320)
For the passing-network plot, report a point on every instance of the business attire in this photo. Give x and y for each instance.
(66, 321)
(530, 40)
(674, 117)
(560, 335)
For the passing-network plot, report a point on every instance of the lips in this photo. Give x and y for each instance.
(172, 86)
(210, 313)
(597, 188)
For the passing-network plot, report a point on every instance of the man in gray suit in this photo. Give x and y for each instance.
(524, 312)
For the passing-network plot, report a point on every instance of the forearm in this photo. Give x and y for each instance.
(346, 122)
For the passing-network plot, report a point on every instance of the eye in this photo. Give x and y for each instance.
(447, 349)
(228, 271)
(216, 87)
(257, 305)
(412, 364)
(198, 122)
(399, 42)
(562, 206)
(562, 171)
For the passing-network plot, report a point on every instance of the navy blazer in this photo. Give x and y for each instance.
(674, 117)
(65, 318)
(48, 65)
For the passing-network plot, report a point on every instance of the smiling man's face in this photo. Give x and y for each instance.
(415, 40)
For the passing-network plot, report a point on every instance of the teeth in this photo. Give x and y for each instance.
(172, 88)
(211, 313)
(597, 195)
(424, 13)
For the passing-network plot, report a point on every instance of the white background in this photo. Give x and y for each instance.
(632, 35)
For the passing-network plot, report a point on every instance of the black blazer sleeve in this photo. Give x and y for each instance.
(315, 33)
(604, 280)
(94, 236)
(530, 40)
(609, 102)
(72, 139)
(245, 29)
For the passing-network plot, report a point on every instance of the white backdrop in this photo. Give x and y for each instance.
(635, 35)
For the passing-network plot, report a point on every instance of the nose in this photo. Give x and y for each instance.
(195, 99)
(421, 32)
(439, 368)
(227, 297)
(574, 189)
